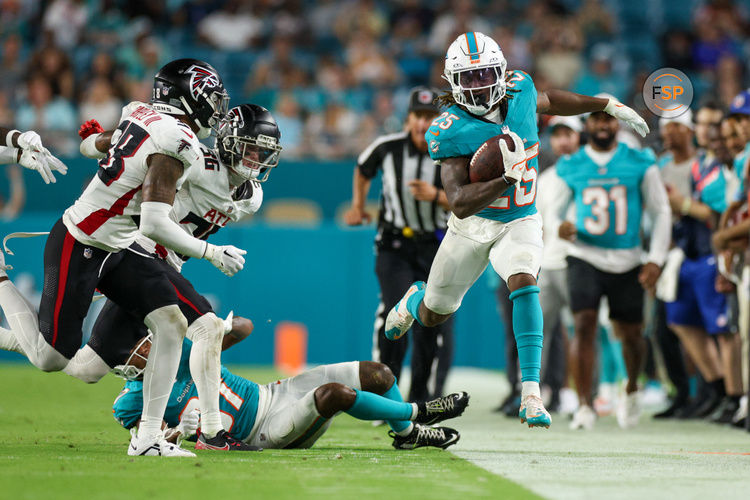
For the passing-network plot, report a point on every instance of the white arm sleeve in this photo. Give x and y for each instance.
(88, 148)
(8, 155)
(156, 224)
(657, 205)
(559, 194)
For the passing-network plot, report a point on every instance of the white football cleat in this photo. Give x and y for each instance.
(156, 447)
(583, 418)
(629, 410)
(399, 319)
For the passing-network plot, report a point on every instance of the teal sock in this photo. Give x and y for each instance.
(394, 394)
(370, 406)
(412, 304)
(527, 328)
(612, 363)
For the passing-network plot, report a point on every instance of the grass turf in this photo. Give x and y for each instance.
(58, 440)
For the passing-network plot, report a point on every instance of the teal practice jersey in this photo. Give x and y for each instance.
(238, 399)
(608, 199)
(457, 133)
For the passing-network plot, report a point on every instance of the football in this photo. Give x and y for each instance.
(487, 163)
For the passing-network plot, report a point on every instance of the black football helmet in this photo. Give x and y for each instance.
(192, 88)
(248, 142)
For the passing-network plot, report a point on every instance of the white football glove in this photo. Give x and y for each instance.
(30, 140)
(55, 163)
(628, 115)
(188, 424)
(514, 162)
(226, 258)
(36, 160)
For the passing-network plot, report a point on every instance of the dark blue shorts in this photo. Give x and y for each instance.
(698, 303)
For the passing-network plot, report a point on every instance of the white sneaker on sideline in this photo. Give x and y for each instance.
(584, 418)
(568, 401)
(629, 410)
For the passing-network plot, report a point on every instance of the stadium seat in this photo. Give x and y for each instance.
(292, 212)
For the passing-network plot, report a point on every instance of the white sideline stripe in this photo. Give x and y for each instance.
(653, 460)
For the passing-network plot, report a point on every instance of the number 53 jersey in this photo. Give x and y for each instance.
(103, 216)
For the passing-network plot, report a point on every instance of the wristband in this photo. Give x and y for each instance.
(9, 138)
(686, 204)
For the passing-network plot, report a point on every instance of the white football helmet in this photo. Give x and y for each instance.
(475, 68)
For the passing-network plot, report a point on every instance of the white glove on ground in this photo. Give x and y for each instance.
(226, 258)
(628, 115)
(514, 162)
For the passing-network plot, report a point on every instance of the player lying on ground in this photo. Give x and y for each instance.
(295, 412)
(222, 186)
(494, 221)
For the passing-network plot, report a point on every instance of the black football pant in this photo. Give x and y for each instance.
(116, 330)
(398, 264)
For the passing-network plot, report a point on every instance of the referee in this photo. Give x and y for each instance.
(412, 222)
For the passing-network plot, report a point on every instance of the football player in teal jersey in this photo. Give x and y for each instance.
(495, 221)
(294, 412)
(609, 184)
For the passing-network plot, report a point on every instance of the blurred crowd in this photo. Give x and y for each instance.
(337, 72)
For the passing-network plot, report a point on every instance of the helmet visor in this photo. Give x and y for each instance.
(478, 78)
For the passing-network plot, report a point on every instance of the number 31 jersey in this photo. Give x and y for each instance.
(206, 202)
(608, 199)
(103, 216)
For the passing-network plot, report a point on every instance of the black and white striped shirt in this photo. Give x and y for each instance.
(401, 162)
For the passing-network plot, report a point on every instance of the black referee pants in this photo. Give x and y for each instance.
(399, 263)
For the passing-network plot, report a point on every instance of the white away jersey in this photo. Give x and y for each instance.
(103, 215)
(205, 203)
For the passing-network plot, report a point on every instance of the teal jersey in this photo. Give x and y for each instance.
(740, 164)
(458, 133)
(608, 199)
(238, 399)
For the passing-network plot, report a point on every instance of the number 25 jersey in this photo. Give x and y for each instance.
(103, 216)
(458, 134)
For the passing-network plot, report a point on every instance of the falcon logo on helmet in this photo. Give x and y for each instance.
(191, 88)
(248, 143)
(201, 79)
(475, 68)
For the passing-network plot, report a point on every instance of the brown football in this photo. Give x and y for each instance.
(487, 163)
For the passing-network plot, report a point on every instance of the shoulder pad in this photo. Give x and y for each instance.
(174, 138)
(456, 133)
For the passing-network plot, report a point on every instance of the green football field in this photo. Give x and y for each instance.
(59, 440)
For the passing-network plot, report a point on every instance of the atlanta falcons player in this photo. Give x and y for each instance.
(148, 159)
(223, 186)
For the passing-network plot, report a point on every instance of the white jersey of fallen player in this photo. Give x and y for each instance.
(206, 203)
(105, 215)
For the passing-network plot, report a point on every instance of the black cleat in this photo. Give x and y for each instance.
(422, 435)
(724, 413)
(223, 442)
(437, 410)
